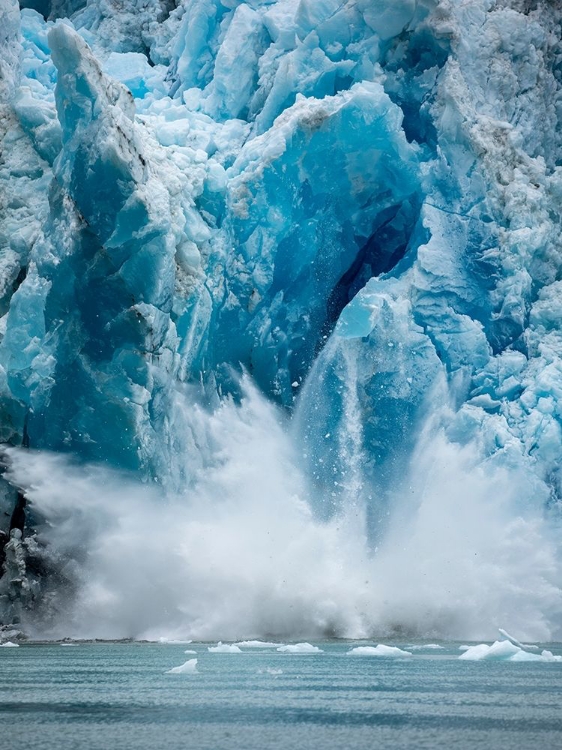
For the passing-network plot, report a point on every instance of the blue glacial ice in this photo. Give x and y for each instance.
(351, 208)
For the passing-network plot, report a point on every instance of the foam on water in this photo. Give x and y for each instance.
(242, 552)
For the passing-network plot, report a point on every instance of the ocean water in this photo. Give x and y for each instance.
(119, 696)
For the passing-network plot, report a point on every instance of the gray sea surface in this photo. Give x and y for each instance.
(119, 696)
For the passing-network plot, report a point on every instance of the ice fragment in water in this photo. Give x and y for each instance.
(224, 648)
(511, 639)
(300, 648)
(507, 651)
(188, 667)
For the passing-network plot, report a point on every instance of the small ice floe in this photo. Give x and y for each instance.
(506, 651)
(9, 644)
(189, 651)
(387, 652)
(68, 644)
(543, 656)
(271, 671)
(257, 644)
(188, 667)
(425, 646)
(300, 648)
(511, 639)
(464, 647)
(224, 648)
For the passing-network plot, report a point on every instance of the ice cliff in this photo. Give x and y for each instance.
(356, 202)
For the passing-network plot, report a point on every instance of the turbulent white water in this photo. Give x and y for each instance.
(242, 555)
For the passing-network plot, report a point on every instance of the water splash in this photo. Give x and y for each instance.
(240, 554)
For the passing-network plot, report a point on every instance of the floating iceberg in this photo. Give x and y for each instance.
(507, 651)
(498, 650)
(385, 652)
(544, 656)
(299, 648)
(9, 644)
(511, 639)
(257, 644)
(188, 667)
(224, 648)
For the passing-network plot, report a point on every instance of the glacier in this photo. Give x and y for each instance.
(318, 237)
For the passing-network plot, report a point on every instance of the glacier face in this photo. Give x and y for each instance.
(355, 202)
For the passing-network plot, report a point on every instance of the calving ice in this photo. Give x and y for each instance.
(281, 320)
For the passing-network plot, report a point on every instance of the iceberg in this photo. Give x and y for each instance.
(506, 651)
(224, 648)
(188, 667)
(347, 212)
(511, 639)
(498, 650)
(299, 648)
